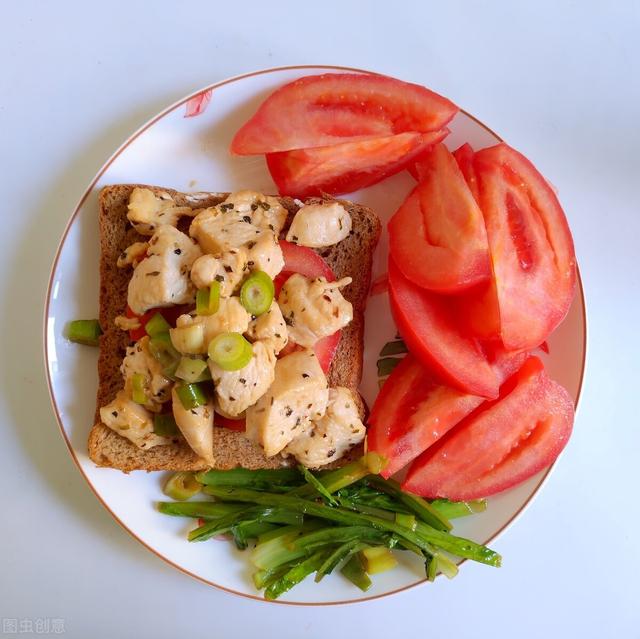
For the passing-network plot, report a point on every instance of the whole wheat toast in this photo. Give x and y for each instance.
(351, 257)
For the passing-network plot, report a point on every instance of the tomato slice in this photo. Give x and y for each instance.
(347, 167)
(320, 110)
(170, 313)
(303, 260)
(533, 259)
(428, 324)
(437, 237)
(502, 444)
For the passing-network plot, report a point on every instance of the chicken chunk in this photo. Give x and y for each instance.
(270, 328)
(237, 390)
(196, 424)
(147, 211)
(319, 225)
(314, 308)
(162, 278)
(298, 394)
(265, 254)
(332, 435)
(139, 360)
(231, 317)
(228, 269)
(132, 421)
(266, 212)
(133, 254)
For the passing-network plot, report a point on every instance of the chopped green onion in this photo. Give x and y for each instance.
(230, 351)
(257, 293)
(393, 348)
(191, 395)
(157, 324)
(181, 486)
(387, 364)
(378, 559)
(165, 425)
(138, 392)
(191, 370)
(406, 520)
(354, 571)
(84, 332)
(162, 349)
(208, 299)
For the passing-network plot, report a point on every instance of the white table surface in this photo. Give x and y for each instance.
(558, 80)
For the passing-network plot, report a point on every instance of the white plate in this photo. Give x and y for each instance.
(190, 153)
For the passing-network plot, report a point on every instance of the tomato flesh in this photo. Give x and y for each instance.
(347, 167)
(429, 327)
(464, 157)
(500, 445)
(239, 425)
(437, 237)
(331, 108)
(532, 254)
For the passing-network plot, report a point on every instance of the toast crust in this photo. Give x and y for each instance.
(351, 257)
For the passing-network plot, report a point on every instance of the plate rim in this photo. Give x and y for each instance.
(54, 265)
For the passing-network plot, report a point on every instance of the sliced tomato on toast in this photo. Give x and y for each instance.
(437, 237)
(331, 108)
(532, 254)
(303, 260)
(429, 326)
(347, 167)
(501, 444)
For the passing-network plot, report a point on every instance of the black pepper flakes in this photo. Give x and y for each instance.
(265, 205)
(305, 375)
(178, 251)
(246, 218)
(242, 380)
(227, 268)
(219, 278)
(114, 413)
(288, 411)
(250, 245)
(331, 453)
(153, 274)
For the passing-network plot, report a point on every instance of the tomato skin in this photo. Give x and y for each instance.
(428, 325)
(502, 444)
(532, 254)
(344, 168)
(437, 237)
(331, 108)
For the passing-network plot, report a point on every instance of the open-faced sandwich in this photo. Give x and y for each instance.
(233, 329)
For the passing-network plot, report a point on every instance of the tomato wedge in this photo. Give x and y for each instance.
(239, 425)
(413, 410)
(347, 167)
(504, 443)
(428, 324)
(532, 255)
(464, 157)
(303, 260)
(320, 110)
(437, 237)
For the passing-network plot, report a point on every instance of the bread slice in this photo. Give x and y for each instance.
(351, 257)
